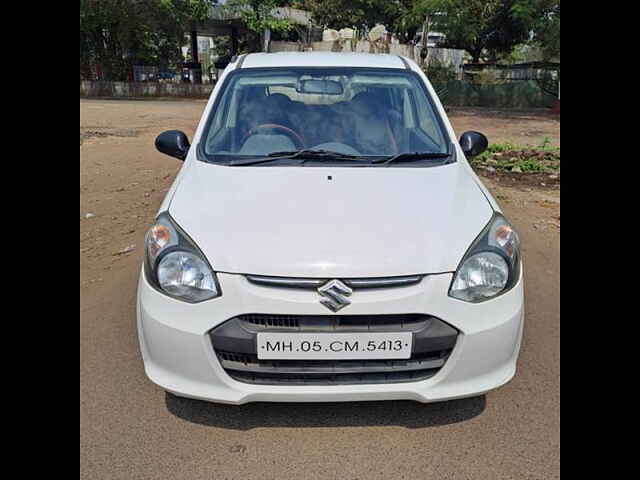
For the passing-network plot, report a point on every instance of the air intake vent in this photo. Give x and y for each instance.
(282, 321)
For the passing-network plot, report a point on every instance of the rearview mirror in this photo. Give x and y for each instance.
(473, 143)
(173, 143)
(320, 87)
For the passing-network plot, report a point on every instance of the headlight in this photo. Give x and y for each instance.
(175, 266)
(491, 266)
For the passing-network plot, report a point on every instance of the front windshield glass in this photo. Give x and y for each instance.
(361, 112)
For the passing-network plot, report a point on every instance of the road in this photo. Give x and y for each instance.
(131, 429)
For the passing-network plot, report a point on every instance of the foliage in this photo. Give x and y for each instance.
(184, 12)
(361, 14)
(115, 34)
(402, 17)
(549, 82)
(399, 16)
(405, 17)
(486, 77)
(479, 26)
(439, 73)
(222, 46)
(507, 157)
(258, 15)
(543, 17)
(523, 52)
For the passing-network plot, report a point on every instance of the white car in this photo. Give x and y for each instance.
(327, 240)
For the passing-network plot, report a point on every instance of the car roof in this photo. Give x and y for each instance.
(322, 59)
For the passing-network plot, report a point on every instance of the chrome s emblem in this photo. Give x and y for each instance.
(335, 294)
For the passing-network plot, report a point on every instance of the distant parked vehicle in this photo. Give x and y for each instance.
(167, 75)
(185, 76)
(434, 39)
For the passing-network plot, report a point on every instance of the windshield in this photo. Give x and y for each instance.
(360, 112)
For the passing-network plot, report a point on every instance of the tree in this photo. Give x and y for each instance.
(543, 16)
(426, 11)
(361, 14)
(403, 18)
(398, 16)
(115, 34)
(477, 26)
(260, 15)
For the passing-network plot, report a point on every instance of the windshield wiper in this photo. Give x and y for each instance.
(410, 156)
(320, 152)
(302, 154)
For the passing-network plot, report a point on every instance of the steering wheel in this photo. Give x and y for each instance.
(291, 134)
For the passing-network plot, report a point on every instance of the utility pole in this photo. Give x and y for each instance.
(234, 41)
(195, 68)
(424, 51)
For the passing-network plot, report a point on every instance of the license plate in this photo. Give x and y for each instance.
(334, 346)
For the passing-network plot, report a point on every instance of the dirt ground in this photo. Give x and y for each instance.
(132, 429)
(524, 128)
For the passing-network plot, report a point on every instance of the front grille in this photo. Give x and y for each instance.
(314, 283)
(234, 342)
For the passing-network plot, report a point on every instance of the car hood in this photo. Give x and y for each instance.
(330, 222)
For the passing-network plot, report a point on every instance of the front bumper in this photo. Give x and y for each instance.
(178, 355)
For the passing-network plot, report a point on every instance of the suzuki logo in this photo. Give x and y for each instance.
(335, 295)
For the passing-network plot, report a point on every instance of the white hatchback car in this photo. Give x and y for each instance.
(327, 240)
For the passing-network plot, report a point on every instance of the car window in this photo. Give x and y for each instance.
(365, 112)
(427, 125)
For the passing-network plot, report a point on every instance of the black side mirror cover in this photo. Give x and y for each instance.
(473, 143)
(173, 143)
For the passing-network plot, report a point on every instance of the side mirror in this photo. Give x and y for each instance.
(173, 143)
(473, 143)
